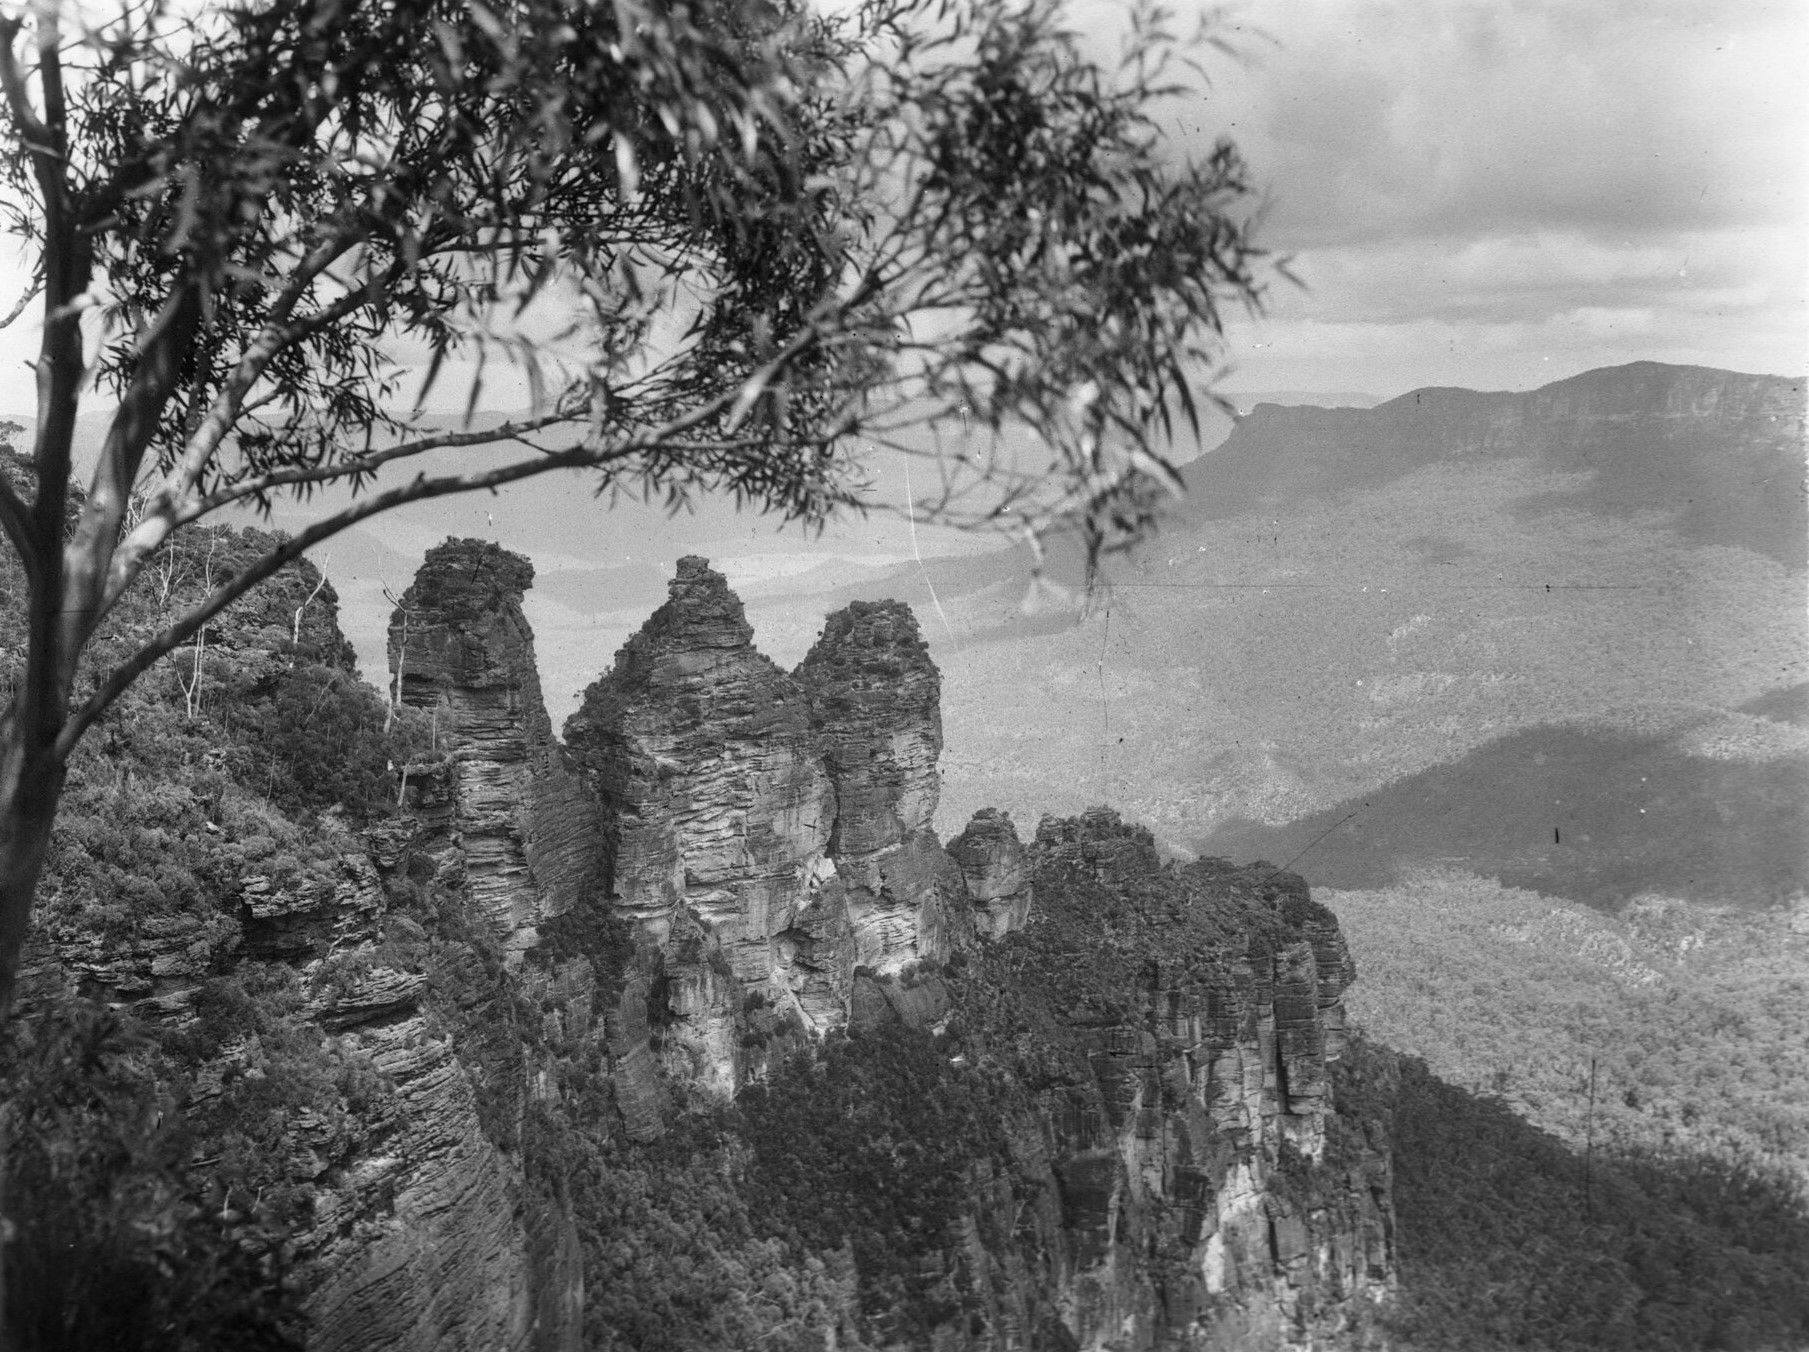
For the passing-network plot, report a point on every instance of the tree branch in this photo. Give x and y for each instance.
(276, 335)
(32, 292)
(163, 521)
(420, 490)
(364, 464)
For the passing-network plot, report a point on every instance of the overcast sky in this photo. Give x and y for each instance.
(1499, 194)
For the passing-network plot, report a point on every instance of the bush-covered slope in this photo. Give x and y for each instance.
(1510, 1238)
(1694, 1018)
(251, 754)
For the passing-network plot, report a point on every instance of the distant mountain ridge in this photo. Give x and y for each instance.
(1719, 452)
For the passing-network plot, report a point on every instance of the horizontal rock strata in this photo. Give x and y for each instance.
(544, 952)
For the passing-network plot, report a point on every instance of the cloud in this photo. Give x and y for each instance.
(1539, 275)
(1476, 192)
(1375, 119)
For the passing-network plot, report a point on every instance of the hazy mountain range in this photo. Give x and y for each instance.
(1547, 634)
(1480, 603)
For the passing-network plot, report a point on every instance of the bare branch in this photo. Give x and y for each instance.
(420, 490)
(32, 292)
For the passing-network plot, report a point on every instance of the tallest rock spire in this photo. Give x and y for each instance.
(701, 754)
(768, 833)
(715, 811)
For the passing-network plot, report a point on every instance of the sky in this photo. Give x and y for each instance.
(1499, 194)
(1491, 195)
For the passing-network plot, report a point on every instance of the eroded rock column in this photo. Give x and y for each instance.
(461, 649)
(715, 813)
(875, 698)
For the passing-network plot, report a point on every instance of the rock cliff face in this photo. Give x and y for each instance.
(288, 948)
(875, 702)
(546, 956)
(995, 871)
(1173, 1174)
(715, 817)
(767, 833)
(460, 649)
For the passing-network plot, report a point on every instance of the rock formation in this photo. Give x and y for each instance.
(771, 839)
(875, 701)
(996, 872)
(768, 834)
(715, 817)
(1169, 1020)
(546, 954)
(460, 648)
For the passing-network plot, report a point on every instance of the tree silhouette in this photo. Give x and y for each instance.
(729, 243)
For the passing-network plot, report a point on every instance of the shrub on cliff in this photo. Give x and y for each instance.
(868, 1145)
(121, 1249)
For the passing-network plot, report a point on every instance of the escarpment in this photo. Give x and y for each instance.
(318, 980)
(570, 1030)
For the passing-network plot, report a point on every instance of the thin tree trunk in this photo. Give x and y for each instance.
(30, 789)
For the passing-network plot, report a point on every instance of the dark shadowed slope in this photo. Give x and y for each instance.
(1717, 453)
(1789, 705)
(1509, 1238)
(1590, 814)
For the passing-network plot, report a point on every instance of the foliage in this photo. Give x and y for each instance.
(868, 1144)
(153, 1171)
(320, 738)
(1508, 1237)
(674, 1262)
(119, 1249)
(1691, 1016)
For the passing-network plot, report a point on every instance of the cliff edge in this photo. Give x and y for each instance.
(687, 1030)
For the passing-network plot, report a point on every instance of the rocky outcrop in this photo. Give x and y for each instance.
(715, 813)
(1197, 1190)
(875, 702)
(461, 650)
(996, 872)
(768, 833)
